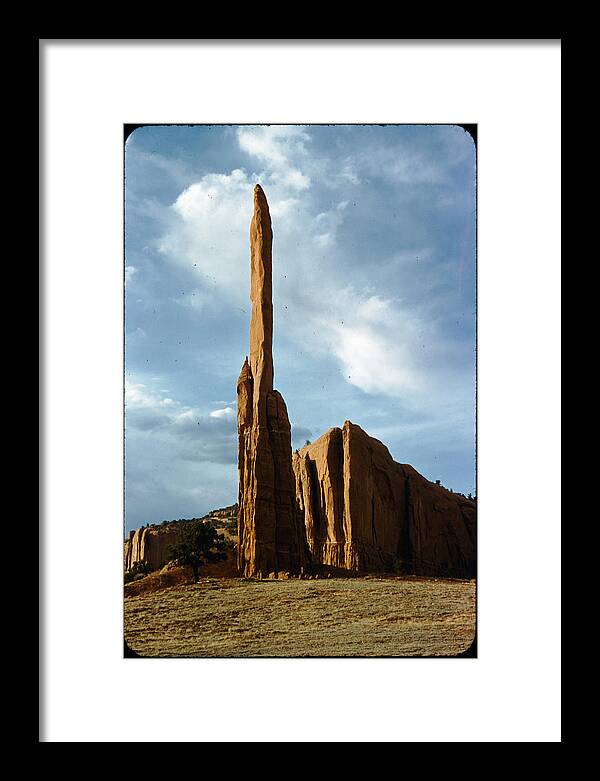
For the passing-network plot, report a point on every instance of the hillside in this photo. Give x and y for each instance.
(149, 544)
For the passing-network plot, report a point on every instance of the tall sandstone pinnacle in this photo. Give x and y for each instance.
(271, 536)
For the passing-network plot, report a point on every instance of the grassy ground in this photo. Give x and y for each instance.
(346, 617)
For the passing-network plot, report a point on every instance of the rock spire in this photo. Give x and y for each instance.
(270, 532)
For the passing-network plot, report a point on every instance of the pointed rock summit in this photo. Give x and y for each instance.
(270, 532)
(261, 296)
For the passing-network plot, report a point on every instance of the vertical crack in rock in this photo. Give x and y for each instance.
(270, 532)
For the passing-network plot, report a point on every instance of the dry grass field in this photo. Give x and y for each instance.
(371, 616)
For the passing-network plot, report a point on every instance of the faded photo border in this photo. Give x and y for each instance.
(114, 83)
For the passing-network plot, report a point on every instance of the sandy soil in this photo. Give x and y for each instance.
(347, 617)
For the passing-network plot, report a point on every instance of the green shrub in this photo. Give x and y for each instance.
(139, 570)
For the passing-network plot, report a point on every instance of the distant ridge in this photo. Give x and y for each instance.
(149, 544)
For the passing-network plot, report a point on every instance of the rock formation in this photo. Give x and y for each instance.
(149, 544)
(270, 533)
(341, 502)
(364, 512)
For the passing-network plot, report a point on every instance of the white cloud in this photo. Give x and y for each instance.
(372, 362)
(227, 412)
(283, 208)
(130, 272)
(138, 396)
(208, 234)
(180, 427)
(274, 144)
(373, 342)
(179, 462)
(291, 178)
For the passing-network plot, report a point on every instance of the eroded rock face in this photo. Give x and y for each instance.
(365, 512)
(149, 544)
(270, 533)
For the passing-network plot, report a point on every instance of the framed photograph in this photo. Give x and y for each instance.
(300, 349)
(300, 357)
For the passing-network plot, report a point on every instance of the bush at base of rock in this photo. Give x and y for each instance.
(138, 571)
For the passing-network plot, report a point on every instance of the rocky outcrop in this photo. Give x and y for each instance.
(223, 514)
(364, 512)
(270, 533)
(150, 545)
(341, 502)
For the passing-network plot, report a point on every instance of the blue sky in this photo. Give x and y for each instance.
(373, 298)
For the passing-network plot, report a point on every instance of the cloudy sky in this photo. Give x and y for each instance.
(373, 298)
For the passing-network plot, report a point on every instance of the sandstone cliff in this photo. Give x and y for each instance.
(365, 512)
(270, 533)
(149, 544)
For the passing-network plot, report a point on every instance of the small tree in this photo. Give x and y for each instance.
(199, 543)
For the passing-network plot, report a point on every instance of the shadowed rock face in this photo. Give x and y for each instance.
(364, 512)
(270, 533)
